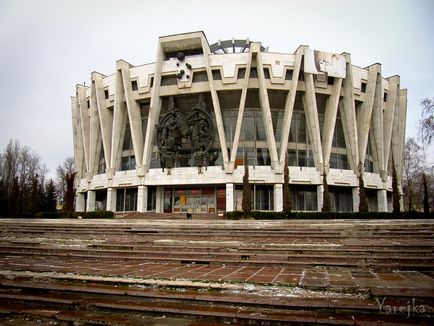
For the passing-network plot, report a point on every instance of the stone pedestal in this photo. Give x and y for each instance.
(382, 200)
(356, 199)
(159, 200)
(142, 199)
(320, 193)
(229, 197)
(111, 199)
(278, 197)
(90, 203)
(80, 202)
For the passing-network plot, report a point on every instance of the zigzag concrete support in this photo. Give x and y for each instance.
(364, 115)
(119, 123)
(134, 117)
(377, 127)
(154, 110)
(312, 122)
(330, 120)
(265, 108)
(77, 139)
(348, 115)
(95, 133)
(217, 109)
(84, 123)
(289, 106)
(398, 132)
(105, 117)
(388, 117)
(240, 114)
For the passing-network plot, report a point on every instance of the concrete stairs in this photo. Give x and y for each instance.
(211, 272)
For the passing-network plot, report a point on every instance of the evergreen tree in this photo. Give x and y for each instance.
(363, 201)
(286, 190)
(326, 206)
(425, 194)
(33, 204)
(3, 199)
(13, 197)
(395, 191)
(68, 201)
(245, 205)
(50, 197)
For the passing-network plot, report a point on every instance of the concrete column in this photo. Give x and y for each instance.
(90, 203)
(159, 205)
(356, 199)
(382, 200)
(320, 193)
(111, 199)
(80, 202)
(142, 199)
(229, 197)
(278, 197)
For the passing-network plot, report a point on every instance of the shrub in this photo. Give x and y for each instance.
(261, 215)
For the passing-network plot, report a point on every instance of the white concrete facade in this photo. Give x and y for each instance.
(321, 110)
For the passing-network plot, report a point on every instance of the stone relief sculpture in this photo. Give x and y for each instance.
(196, 127)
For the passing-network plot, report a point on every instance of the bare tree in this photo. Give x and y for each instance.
(426, 124)
(412, 168)
(62, 171)
(21, 171)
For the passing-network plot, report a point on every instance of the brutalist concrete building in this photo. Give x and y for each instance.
(174, 135)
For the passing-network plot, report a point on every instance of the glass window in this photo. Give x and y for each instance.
(292, 157)
(304, 198)
(341, 199)
(152, 199)
(128, 163)
(126, 199)
(263, 156)
(128, 142)
(277, 117)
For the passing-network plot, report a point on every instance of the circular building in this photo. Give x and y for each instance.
(173, 136)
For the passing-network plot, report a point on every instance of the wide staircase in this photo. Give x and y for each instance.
(210, 272)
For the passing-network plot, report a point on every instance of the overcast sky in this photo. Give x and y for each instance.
(49, 46)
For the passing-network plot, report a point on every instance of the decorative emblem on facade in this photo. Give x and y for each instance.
(196, 127)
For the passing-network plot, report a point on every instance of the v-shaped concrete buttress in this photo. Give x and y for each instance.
(289, 105)
(388, 116)
(347, 111)
(105, 117)
(216, 105)
(377, 126)
(240, 114)
(84, 122)
(312, 122)
(265, 108)
(133, 111)
(154, 110)
(364, 115)
(119, 124)
(77, 139)
(95, 132)
(330, 119)
(398, 132)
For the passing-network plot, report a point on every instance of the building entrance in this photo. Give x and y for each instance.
(207, 199)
